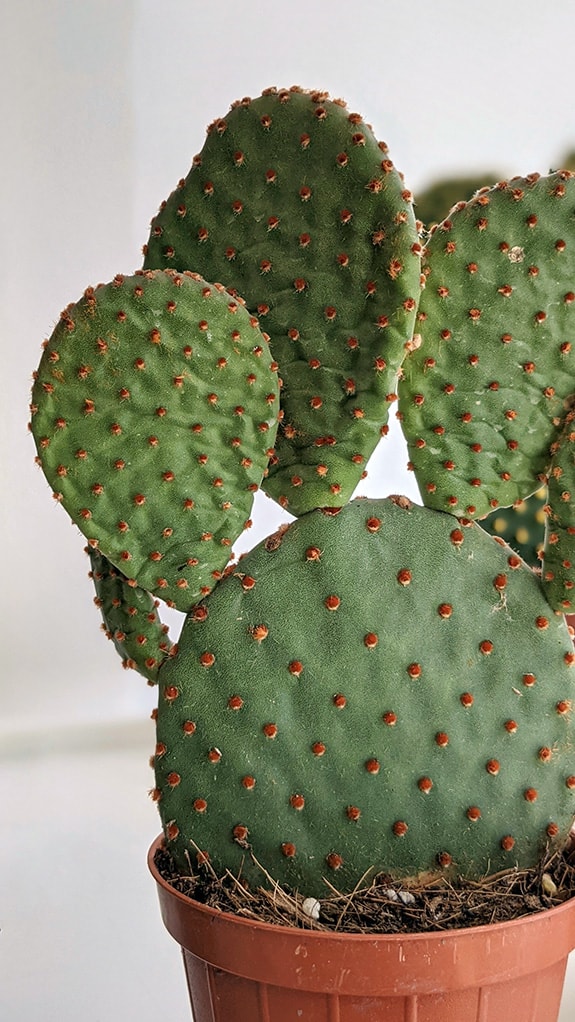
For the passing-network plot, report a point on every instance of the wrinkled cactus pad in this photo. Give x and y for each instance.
(154, 412)
(383, 688)
(295, 204)
(130, 616)
(486, 390)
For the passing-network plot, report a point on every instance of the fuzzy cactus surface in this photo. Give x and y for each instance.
(379, 685)
(295, 203)
(154, 413)
(419, 720)
(489, 380)
(130, 618)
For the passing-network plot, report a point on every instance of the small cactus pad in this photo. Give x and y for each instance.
(130, 617)
(383, 688)
(486, 389)
(295, 204)
(154, 412)
(559, 553)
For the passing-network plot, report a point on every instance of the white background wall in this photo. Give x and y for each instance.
(102, 105)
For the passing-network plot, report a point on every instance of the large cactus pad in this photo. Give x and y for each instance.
(486, 391)
(385, 688)
(295, 204)
(154, 412)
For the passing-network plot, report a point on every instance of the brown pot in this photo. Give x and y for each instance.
(244, 971)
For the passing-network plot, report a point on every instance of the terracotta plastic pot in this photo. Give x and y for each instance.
(243, 971)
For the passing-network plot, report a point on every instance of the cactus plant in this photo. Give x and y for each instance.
(378, 685)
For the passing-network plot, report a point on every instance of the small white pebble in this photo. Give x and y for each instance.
(548, 884)
(407, 897)
(311, 907)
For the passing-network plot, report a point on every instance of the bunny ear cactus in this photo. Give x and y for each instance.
(154, 413)
(378, 686)
(294, 203)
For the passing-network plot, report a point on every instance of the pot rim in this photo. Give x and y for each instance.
(217, 913)
(367, 964)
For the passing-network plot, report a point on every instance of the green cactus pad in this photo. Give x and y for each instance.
(384, 688)
(559, 552)
(294, 203)
(131, 619)
(486, 389)
(154, 412)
